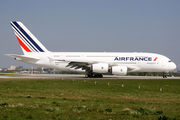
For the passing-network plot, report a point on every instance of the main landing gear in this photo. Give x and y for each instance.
(94, 75)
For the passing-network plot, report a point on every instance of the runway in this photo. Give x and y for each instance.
(75, 76)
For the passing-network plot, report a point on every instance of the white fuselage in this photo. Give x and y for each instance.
(135, 62)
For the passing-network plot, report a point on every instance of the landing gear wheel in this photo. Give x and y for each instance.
(86, 76)
(98, 75)
(164, 76)
(91, 75)
(101, 76)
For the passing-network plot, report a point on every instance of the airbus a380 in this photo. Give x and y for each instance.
(94, 64)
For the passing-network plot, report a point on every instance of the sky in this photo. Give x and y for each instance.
(93, 26)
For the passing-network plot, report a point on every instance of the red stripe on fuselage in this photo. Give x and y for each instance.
(23, 45)
(155, 58)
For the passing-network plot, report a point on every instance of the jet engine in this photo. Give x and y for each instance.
(100, 68)
(119, 70)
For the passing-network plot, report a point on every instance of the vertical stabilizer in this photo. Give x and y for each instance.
(28, 42)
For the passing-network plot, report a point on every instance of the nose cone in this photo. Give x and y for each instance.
(172, 66)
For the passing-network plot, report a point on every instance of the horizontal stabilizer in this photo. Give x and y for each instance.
(22, 57)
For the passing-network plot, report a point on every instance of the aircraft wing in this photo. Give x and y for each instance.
(22, 57)
(86, 64)
(77, 64)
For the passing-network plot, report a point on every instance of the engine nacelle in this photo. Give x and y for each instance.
(100, 68)
(119, 70)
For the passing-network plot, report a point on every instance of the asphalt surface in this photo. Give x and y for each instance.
(62, 76)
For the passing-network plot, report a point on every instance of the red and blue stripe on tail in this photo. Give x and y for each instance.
(28, 42)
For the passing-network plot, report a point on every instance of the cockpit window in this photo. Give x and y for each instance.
(169, 61)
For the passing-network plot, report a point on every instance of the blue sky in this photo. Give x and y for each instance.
(93, 26)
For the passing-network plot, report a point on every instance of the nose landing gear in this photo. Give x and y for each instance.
(165, 75)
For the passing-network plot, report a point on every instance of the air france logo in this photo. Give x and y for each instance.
(134, 59)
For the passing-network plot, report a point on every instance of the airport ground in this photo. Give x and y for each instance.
(71, 76)
(74, 97)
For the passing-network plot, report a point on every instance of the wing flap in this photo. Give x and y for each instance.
(76, 64)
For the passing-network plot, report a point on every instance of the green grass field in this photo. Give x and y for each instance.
(57, 99)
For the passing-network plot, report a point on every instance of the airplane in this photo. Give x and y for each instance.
(94, 64)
